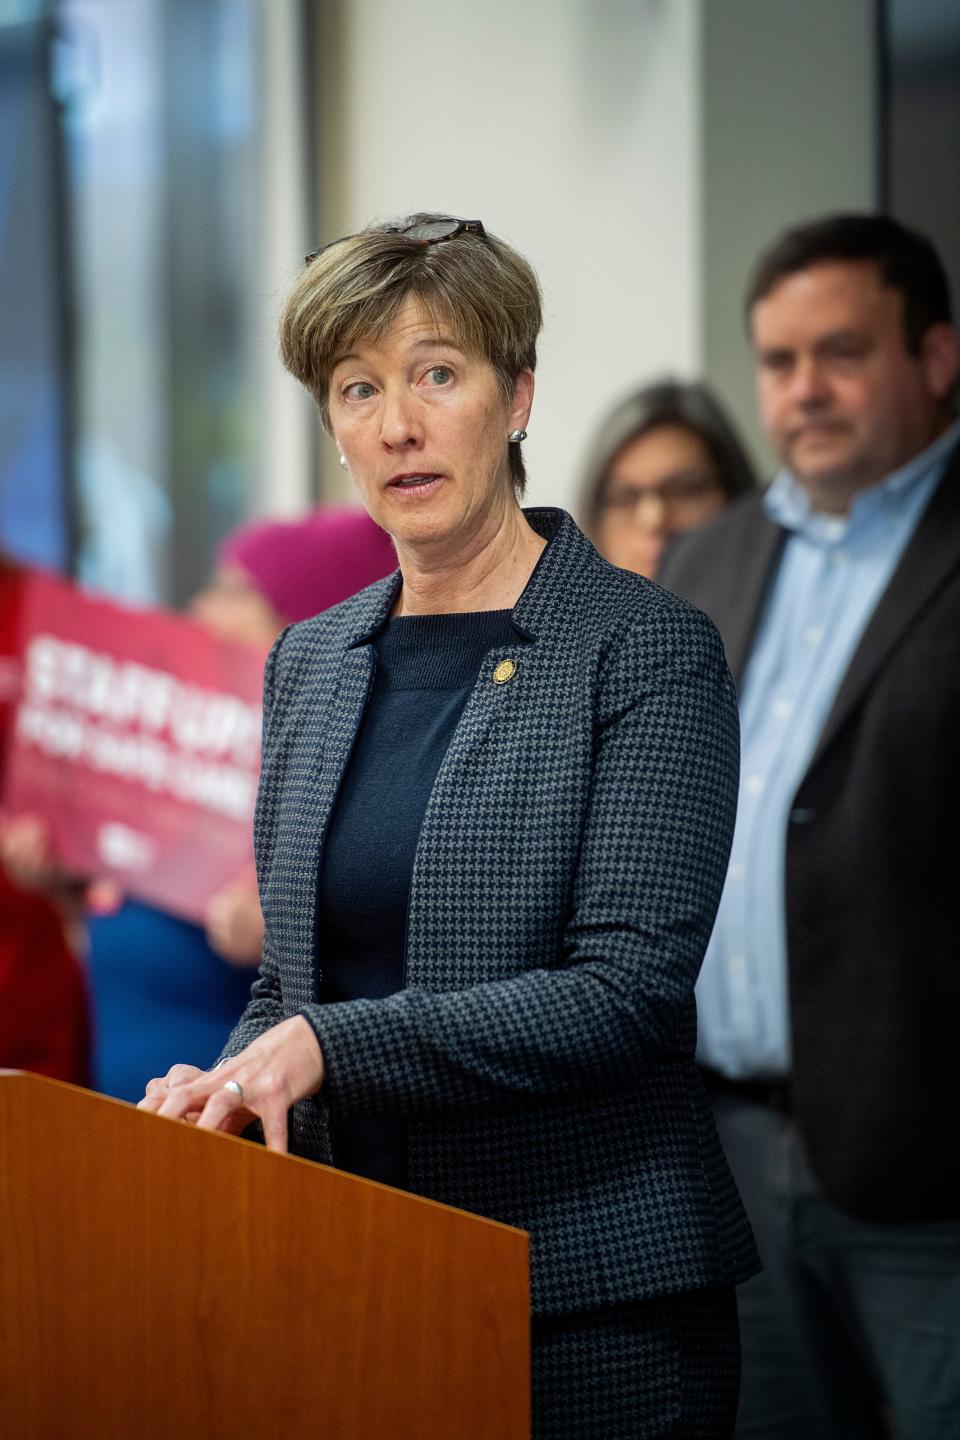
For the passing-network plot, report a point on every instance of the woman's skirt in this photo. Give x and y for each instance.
(669, 1366)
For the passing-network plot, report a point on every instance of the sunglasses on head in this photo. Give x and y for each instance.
(430, 232)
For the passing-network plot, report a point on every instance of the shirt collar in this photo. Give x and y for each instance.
(545, 601)
(788, 504)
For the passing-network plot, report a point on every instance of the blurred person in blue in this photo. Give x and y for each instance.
(487, 905)
(157, 980)
(665, 459)
(829, 1001)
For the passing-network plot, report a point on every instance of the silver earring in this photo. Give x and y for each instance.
(516, 437)
(343, 460)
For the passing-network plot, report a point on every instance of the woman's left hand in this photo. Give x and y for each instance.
(281, 1066)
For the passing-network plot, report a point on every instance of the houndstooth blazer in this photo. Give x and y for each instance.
(566, 877)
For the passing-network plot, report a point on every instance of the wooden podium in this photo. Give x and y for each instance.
(158, 1281)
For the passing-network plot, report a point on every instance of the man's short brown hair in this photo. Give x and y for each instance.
(905, 259)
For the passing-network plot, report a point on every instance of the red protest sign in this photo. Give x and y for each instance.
(11, 585)
(136, 737)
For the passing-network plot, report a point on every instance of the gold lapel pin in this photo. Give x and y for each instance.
(504, 671)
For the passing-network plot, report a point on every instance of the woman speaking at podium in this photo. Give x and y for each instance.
(497, 798)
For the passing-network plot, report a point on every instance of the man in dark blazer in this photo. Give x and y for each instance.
(829, 1002)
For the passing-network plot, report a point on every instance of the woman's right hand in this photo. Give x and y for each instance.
(160, 1087)
(282, 1065)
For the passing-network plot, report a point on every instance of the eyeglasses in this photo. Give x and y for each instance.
(430, 232)
(677, 493)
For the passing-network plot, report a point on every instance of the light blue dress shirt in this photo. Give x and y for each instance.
(833, 572)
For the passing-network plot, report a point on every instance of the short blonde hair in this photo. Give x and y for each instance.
(477, 288)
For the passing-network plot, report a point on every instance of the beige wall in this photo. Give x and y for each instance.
(640, 152)
(570, 127)
(788, 133)
(285, 439)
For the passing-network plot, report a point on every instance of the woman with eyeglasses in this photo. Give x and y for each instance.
(497, 799)
(665, 460)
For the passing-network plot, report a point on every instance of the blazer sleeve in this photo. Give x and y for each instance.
(265, 1006)
(651, 865)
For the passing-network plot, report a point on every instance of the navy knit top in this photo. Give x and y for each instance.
(426, 666)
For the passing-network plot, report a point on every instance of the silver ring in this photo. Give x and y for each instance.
(234, 1087)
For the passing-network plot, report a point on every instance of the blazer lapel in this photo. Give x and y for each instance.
(336, 730)
(745, 589)
(930, 557)
(347, 702)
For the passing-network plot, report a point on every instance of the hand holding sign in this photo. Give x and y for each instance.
(136, 743)
(234, 922)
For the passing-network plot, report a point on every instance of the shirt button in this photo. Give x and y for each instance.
(813, 634)
(754, 784)
(737, 870)
(840, 558)
(783, 709)
(737, 965)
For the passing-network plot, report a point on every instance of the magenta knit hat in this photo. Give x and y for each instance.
(305, 566)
